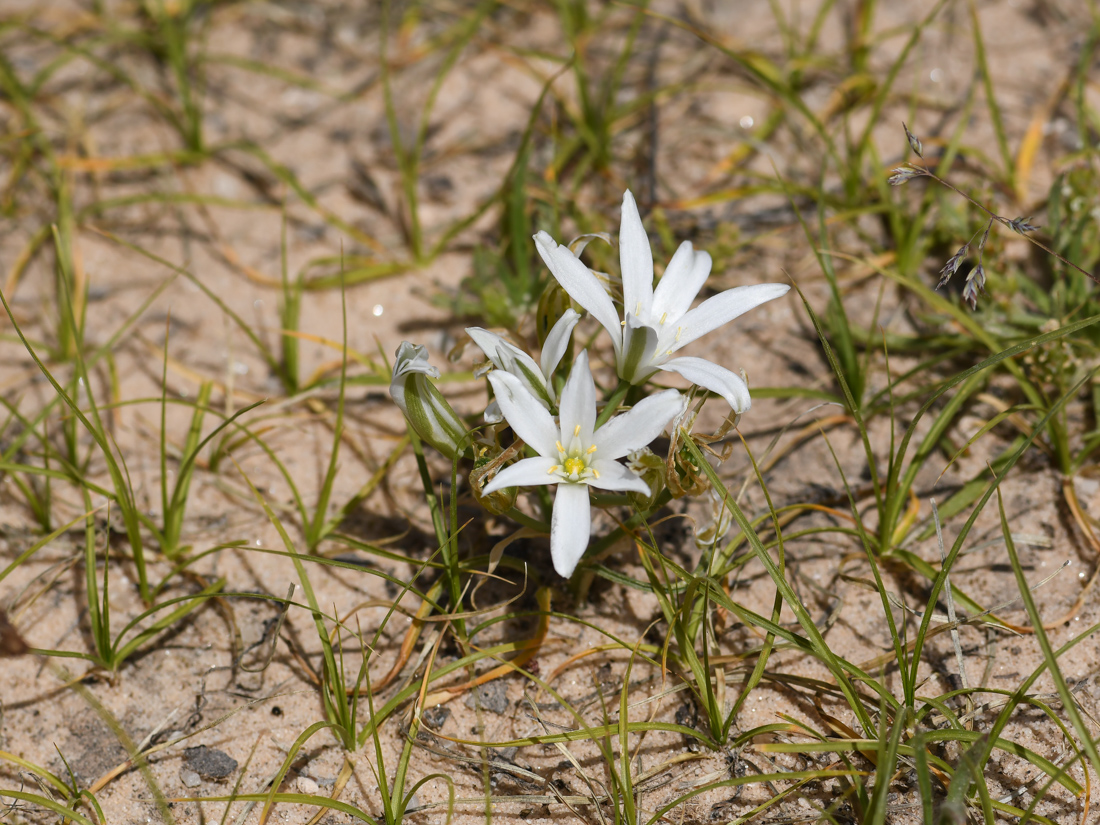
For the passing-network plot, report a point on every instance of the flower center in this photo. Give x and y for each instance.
(575, 461)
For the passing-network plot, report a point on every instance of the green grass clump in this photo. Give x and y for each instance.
(822, 652)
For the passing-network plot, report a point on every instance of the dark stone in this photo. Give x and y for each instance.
(209, 763)
(492, 696)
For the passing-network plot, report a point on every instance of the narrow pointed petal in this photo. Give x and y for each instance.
(570, 527)
(557, 340)
(578, 402)
(530, 472)
(526, 416)
(638, 426)
(640, 343)
(581, 285)
(684, 277)
(635, 261)
(507, 356)
(614, 476)
(723, 308)
(710, 376)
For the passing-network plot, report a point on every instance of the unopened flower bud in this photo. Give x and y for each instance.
(914, 144)
(651, 468)
(425, 408)
(486, 466)
(552, 305)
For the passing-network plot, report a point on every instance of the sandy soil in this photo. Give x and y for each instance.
(206, 677)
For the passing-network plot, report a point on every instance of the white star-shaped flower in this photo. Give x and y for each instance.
(573, 454)
(658, 322)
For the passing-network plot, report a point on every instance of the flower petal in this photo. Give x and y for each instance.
(638, 426)
(530, 472)
(684, 277)
(635, 261)
(577, 406)
(525, 415)
(412, 358)
(580, 284)
(570, 527)
(508, 357)
(557, 340)
(640, 343)
(712, 377)
(614, 476)
(723, 308)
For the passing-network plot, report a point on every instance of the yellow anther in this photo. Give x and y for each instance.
(590, 450)
(638, 309)
(576, 431)
(595, 474)
(663, 316)
(561, 449)
(553, 469)
(679, 332)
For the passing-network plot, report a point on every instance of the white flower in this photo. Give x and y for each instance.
(536, 378)
(574, 455)
(658, 322)
(426, 410)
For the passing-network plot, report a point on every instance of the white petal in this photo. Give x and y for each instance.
(614, 476)
(684, 277)
(714, 378)
(412, 358)
(577, 406)
(638, 426)
(580, 284)
(635, 261)
(556, 342)
(525, 415)
(507, 356)
(640, 349)
(530, 472)
(493, 415)
(723, 308)
(570, 527)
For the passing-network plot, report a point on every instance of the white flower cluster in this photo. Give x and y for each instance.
(567, 446)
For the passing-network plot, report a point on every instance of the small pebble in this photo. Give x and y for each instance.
(189, 778)
(209, 763)
(307, 785)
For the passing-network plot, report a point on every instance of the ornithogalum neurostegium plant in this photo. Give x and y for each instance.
(563, 434)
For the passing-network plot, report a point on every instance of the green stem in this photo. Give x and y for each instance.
(613, 403)
(527, 521)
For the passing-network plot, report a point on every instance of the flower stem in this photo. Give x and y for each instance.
(613, 403)
(527, 521)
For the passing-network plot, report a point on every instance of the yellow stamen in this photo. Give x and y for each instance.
(553, 469)
(576, 430)
(561, 449)
(595, 474)
(638, 309)
(679, 332)
(663, 316)
(590, 450)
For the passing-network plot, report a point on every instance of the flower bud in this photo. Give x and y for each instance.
(485, 467)
(651, 469)
(551, 307)
(425, 408)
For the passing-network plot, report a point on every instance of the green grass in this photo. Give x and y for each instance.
(136, 478)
